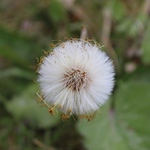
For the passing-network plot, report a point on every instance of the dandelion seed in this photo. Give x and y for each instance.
(77, 78)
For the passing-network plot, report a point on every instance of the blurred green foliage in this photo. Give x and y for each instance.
(29, 27)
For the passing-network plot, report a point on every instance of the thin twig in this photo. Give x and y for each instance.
(105, 37)
(107, 23)
(146, 7)
(83, 33)
(42, 145)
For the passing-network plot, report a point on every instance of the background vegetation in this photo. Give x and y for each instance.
(28, 27)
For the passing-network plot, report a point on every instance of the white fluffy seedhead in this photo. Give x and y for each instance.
(76, 78)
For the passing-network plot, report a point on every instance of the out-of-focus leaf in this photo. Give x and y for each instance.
(17, 72)
(135, 28)
(124, 25)
(18, 49)
(11, 86)
(133, 112)
(11, 55)
(118, 10)
(56, 11)
(132, 26)
(24, 107)
(146, 46)
(102, 133)
(137, 25)
(14, 80)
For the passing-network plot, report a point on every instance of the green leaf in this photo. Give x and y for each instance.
(118, 10)
(18, 49)
(125, 25)
(56, 11)
(102, 133)
(132, 113)
(16, 72)
(146, 46)
(10, 76)
(24, 107)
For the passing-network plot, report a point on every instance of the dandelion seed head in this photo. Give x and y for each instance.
(77, 77)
